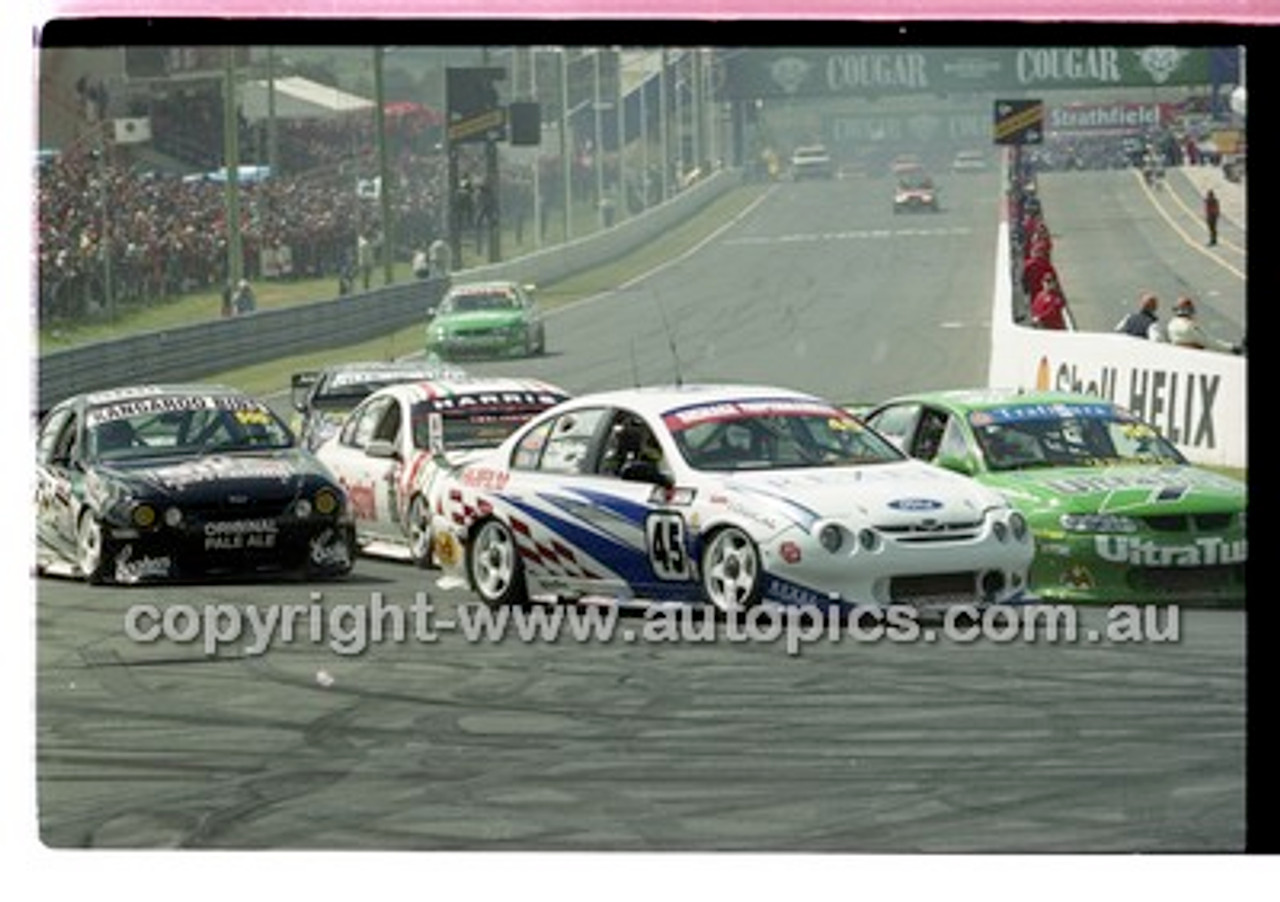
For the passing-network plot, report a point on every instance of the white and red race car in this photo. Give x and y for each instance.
(727, 495)
(393, 446)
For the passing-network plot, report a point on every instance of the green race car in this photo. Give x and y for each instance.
(1118, 514)
(487, 319)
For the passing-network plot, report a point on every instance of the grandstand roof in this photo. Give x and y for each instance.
(298, 98)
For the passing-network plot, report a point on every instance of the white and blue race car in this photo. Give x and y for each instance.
(728, 495)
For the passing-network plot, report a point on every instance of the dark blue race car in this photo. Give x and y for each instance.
(183, 481)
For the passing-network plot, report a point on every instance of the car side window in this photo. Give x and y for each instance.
(896, 423)
(628, 440)
(57, 437)
(528, 451)
(953, 442)
(571, 440)
(388, 427)
(359, 429)
(928, 438)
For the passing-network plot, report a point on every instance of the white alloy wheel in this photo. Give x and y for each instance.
(89, 547)
(420, 532)
(731, 577)
(493, 563)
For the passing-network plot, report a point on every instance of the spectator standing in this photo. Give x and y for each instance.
(364, 259)
(1048, 307)
(1185, 330)
(440, 256)
(244, 301)
(1035, 270)
(421, 269)
(1212, 210)
(1143, 322)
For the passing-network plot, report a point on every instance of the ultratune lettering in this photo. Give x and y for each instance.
(1211, 551)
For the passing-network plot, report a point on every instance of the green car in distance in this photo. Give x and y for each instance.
(1118, 514)
(487, 319)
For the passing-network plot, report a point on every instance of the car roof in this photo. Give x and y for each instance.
(431, 389)
(356, 373)
(486, 287)
(149, 390)
(656, 400)
(988, 398)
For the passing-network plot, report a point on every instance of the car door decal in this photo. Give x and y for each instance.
(668, 551)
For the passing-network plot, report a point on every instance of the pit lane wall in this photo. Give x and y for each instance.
(196, 351)
(1197, 399)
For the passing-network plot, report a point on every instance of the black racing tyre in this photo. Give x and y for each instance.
(493, 565)
(419, 532)
(732, 575)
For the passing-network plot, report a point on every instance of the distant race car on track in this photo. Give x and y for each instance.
(811, 162)
(487, 319)
(915, 191)
(726, 495)
(167, 482)
(1117, 512)
(393, 446)
(323, 398)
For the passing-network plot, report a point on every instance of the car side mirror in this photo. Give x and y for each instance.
(644, 471)
(381, 448)
(956, 463)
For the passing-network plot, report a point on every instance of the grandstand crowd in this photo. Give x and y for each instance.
(167, 233)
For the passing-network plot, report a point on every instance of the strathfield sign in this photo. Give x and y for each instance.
(852, 71)
(1112, 118)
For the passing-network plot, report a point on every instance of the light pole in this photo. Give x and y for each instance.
(537, 152)
(598, 140)
(664, 127)
(231, 155)
(566, 164)
(384, 175)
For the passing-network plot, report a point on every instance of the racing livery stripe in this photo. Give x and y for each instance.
(630, 510)
(802, 516)
(631, 564)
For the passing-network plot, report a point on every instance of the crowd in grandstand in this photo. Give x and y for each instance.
(168, 235)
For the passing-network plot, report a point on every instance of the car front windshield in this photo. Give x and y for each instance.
(182, 426)
(479, 427)
(1057, 435)
(774, 435)
(473, 302)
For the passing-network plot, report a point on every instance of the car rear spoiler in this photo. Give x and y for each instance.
(300, 386)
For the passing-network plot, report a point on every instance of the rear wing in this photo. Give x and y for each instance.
(300, 386)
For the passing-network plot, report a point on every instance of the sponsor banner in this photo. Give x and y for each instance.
(685, 417)
(124, 409)
(1109, 118)
(1197, 399)
(879, 71)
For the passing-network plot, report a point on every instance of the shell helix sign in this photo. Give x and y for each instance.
(1196, 399)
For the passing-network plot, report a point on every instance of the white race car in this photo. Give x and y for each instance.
(391, 448)
(723, 494)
